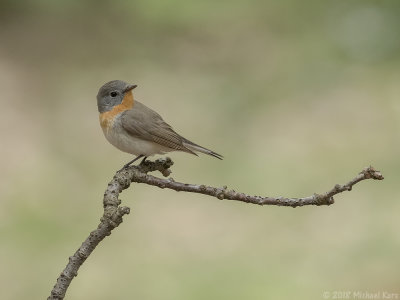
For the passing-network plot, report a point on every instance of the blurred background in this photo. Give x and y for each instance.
(297, 96)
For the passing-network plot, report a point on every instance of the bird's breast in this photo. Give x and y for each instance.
(121, 139)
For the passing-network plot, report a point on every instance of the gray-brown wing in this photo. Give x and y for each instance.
(142, 122)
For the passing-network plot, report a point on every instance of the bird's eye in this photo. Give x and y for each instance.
(113, 94)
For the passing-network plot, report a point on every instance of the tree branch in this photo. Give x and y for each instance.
(113, 213)
(223, 193)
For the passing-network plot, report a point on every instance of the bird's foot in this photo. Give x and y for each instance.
(132, 161)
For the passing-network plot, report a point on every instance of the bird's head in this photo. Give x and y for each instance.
(112, 93)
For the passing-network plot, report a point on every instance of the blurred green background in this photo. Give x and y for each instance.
(297, 95)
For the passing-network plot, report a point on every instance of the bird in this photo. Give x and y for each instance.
(134, 128)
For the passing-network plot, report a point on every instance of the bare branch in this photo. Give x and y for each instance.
(111, 219)
(113, 213)
(223, 193)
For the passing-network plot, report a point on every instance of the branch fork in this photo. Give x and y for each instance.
(114, 213)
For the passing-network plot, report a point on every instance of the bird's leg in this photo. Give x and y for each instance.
(143, 160)
(132, 161)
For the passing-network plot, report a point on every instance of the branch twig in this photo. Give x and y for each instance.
(113, 213)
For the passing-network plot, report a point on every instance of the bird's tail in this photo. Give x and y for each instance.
(194, 147)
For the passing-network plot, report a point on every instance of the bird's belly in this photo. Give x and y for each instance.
(127, 143)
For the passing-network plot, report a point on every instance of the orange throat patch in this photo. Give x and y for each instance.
(107, 118)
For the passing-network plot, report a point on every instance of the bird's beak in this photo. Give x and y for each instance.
(129, 87)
